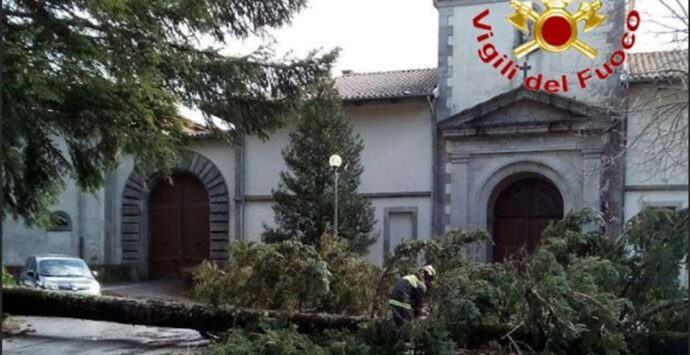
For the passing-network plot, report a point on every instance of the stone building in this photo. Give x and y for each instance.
(456, 146)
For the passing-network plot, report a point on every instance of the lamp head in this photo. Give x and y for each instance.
(335, 161)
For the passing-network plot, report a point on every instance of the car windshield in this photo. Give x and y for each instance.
(63, 268)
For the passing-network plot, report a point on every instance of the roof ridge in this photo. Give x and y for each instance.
(388, 72)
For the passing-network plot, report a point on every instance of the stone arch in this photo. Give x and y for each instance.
(505, 222)
(134, 211)
(513, 171)
(503, 184)
(493, 181)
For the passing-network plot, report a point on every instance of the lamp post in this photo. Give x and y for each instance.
(335, 161)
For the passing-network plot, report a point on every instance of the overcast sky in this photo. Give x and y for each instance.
(394, 34)
(378, 35)
(372, 34)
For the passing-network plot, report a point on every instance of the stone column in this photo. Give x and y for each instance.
(459, 189)
(591, 178)
(91, 231)
(110, 218)
(459, 201)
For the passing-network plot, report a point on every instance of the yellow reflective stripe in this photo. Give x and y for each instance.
(430, 270)
(412, 279)
(397, 303)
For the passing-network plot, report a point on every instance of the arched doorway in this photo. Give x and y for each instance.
(135, 223)
(521, 211)
(179, 225)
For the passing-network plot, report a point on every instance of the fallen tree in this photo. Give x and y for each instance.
(189, 315)
(204, 318)
(578, 293)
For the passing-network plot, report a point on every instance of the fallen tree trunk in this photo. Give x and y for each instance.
(204, 318)
(201, 317)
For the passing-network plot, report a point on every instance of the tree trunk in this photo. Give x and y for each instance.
(204, 318)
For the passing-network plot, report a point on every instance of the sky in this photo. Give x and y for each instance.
(373, 35)
(378, 35)
(381, 35)
(654, 11)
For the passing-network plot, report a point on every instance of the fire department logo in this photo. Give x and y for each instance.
(555, 29)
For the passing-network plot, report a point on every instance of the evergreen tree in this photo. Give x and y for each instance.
(304, 207)
(106, 77)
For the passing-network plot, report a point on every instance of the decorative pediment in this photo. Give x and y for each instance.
(523, 111)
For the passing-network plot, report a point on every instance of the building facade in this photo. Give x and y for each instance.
(450, 147)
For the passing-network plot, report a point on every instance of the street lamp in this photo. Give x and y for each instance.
(335, 161)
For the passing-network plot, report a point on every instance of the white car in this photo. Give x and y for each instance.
(59, 273)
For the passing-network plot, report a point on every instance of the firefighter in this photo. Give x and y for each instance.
(407, 297)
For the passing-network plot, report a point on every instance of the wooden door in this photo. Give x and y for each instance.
(179, 224)
(522, 211)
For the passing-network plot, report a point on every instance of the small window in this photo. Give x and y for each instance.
(60, 222)
(400, 224)
(670, 205)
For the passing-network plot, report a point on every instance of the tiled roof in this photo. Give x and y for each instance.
(421, 82)
(387, 85)
(658, 65)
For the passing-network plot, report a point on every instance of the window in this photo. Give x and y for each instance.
(671, 205)
(400, 224)
(60, 222)
(63, 268)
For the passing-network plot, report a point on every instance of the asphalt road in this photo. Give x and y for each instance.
(76, 337)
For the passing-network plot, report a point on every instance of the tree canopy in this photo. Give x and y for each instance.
(579, 292)
(88, 81)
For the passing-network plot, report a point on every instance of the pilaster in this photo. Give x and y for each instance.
(591, 180)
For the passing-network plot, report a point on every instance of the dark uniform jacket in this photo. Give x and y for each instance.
(408, 293)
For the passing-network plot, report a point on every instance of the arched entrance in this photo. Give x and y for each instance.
(136, 224)
(179, 225)
(521, 211)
